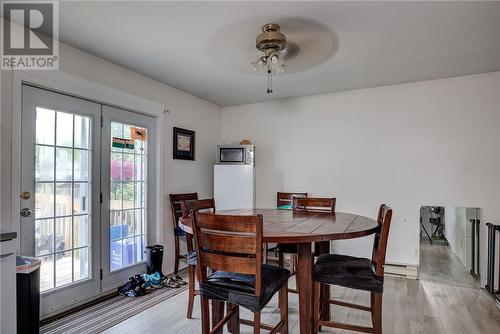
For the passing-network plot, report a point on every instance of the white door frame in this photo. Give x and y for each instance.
(72, 85)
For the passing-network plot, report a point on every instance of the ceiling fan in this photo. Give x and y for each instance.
(273, 50)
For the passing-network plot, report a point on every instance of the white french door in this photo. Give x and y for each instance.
(59, 207)
(127, 188)
(84, 194)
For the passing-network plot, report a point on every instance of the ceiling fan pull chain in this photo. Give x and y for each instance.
(269, 81)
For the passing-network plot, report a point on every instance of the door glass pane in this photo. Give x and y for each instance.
(115, 196)
(128, 223)
(64, 268)
(81, 263)
(44, 200)
(44, 163)
(64, 234)
(81, 165)
(81, 198)
(47, 273)
(116, 166)
(81, 231)
(64, 199)
(128, 252)
(62, 190)
(116, 226)
(82, 132)
(64, 164)
(45, 122)
(128, 167)
(127, 186)
(44, 235)
(128, 195)
(64, 129)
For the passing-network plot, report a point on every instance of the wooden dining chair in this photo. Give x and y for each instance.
(175, 207)
(188, 207)
(231, 247)
(302, 204)
(284, 201)
(314, 204)
(355, 273)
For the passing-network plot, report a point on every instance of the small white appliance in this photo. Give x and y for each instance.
(235, 154)
(234, 186)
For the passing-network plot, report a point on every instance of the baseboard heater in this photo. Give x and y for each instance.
(409, 271)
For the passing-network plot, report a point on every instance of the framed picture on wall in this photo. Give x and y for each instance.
(184, 142)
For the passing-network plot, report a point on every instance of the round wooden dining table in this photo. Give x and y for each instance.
(303, 229)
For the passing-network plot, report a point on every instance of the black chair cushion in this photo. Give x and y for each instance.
(347, 271)
(239, 289)
(192, 259)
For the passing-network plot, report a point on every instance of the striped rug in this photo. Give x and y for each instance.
(103, 315)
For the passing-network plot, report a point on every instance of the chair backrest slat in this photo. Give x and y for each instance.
(314, 204)
(175, 205)
(197, 205)
(240, 244)
(384, 219)
(214, 261)
(229, 243)
(283, 198)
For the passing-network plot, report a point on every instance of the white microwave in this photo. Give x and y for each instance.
(235, 154)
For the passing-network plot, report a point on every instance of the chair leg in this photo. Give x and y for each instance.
(283, 305)
(217, 314)
(191, 286)
(316, 303)
(295, 270)
(281, 260)
(233, 324)
(177, 256)
(205, 316)
(376, 305)
(256, 323)
(266, 251)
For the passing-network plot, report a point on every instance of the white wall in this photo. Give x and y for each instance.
(366, 146)
(185, 111)
(455, 231)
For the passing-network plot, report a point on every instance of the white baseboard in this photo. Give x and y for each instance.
(409, 271)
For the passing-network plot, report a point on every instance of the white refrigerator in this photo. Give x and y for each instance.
(234, 186)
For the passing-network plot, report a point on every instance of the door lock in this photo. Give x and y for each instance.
(26, 212)
(25, 195)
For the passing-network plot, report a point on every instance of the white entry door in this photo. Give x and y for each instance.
(59, 204)
(127, 183)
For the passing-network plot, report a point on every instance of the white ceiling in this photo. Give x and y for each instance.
(204, 48)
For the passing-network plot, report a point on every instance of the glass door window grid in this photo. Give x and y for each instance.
(62, 197)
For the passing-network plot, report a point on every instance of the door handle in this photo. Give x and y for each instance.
(26, 212)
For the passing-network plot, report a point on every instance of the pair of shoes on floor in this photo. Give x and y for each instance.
(153, 280)
(174, 281)
(135, 287)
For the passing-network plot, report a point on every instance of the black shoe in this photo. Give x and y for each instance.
(131, 285)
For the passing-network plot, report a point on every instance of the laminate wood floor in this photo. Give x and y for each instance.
(442, 301)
